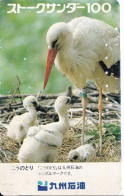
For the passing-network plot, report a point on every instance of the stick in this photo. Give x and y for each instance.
(5, 155)
(38, 94)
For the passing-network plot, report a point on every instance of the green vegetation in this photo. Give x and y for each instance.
(23, 47)
(111, 132)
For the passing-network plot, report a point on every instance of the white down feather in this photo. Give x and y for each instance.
(81, 153)
(19, 125)
(41, 144)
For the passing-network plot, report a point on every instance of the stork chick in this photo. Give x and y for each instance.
(18, 127)
(41, 144)
(81, 153)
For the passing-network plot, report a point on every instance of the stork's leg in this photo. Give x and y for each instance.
(84, 104)
(100, 107)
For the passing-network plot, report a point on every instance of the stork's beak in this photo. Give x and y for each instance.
(50, 60)
(40, 108)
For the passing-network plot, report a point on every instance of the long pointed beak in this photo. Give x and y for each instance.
(50, 60)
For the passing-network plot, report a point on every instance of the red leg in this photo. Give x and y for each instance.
(84, 105)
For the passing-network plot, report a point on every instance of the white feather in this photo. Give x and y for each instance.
(81, 153)
(82, 44)
(19, 125)
(41, 144)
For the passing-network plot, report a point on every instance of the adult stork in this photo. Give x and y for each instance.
(85, 49)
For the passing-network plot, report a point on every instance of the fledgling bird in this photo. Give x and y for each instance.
(19, 125)
(41, 143)
(81, 153)
(85, 49)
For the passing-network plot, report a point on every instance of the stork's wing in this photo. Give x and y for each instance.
(33, 131)
(96, 40)
(48, 137)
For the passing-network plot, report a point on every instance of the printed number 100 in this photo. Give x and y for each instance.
(96, 7)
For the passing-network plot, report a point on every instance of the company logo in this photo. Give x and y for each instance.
(42, 186)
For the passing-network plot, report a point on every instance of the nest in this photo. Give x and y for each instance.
(11, 105)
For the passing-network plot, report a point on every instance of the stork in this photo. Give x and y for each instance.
(19, 125)
(82, 153)
(85, 49)
(42, 142)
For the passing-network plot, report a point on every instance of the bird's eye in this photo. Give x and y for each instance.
(54, 43)
(75, 157)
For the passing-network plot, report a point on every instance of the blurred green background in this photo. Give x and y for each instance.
(23, 47)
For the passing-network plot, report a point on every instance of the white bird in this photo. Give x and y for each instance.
(19, 125)
(85, 49)
(81, 153)
(41, 144)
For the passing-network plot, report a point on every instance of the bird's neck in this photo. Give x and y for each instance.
(32, 113)
(69, 61)
(64, 120)
(66, 56)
